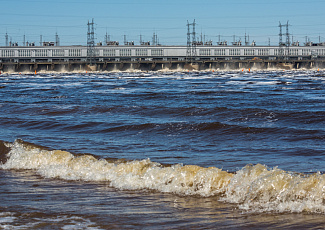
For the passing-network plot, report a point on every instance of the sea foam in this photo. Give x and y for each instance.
(255, 188)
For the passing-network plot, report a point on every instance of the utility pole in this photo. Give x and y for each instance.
(91, 42)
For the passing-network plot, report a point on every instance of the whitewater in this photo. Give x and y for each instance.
(170, 149)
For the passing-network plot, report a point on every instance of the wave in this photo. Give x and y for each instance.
(255, 188)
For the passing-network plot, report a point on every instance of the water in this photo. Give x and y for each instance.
(162, 149)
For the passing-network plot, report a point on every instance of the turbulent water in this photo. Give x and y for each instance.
(162, 150)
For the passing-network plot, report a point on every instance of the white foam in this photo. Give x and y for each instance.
(260, 189)
(254, 188)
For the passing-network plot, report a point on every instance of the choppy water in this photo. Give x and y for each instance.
(163, 149)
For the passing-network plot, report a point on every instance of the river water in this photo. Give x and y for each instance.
(148, 150)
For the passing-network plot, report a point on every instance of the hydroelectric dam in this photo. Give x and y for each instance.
(154, 58)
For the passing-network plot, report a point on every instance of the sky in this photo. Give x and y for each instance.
(215, 19)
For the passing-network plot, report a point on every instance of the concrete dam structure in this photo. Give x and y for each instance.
(153, 58)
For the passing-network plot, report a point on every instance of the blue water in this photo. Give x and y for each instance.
(225, 120)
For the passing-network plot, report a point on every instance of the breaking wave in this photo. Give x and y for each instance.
(255, 188)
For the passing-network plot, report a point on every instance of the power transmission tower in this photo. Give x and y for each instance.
(125, 41)
(246, 39)
(191, 43)
(284, 53)
(280, 42)
(57, 39)
(91, 42)
(107, 38)
(287, 38)
(7, 39)
(154, 39)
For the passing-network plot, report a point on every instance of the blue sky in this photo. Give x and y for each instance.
(167, 18)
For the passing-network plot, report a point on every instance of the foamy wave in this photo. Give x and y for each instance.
(255, 188)
(261, 189)
(132, 175)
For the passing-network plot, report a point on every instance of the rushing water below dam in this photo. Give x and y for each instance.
(165, 150)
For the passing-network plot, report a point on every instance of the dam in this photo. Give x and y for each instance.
(152, 58)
